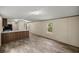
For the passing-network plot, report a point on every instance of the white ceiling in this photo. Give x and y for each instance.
(41, 12)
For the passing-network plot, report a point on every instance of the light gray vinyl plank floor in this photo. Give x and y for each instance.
(35, 44)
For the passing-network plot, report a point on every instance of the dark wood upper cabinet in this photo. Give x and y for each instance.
(4, 21)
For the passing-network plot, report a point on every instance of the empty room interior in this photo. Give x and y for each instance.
(39, 29)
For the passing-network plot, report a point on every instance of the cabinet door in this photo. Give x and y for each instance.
(4, 21)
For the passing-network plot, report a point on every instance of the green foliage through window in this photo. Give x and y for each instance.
(50, 25)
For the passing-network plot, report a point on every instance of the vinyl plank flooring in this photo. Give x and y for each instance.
(36, 44)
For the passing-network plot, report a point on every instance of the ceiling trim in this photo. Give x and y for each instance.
(54, 18)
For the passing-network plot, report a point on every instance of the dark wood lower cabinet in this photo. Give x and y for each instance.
(11, 36)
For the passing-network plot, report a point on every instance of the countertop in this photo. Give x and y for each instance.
(13, 31)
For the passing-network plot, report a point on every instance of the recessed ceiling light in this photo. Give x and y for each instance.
(26, 21)
(16, 20)
(36, 12)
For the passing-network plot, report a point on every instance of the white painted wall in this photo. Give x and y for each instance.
(21, 26)
(65, 30)
(73, 31)
(0, 28)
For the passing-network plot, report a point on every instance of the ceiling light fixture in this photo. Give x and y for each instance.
(26, 21)
(36, 12)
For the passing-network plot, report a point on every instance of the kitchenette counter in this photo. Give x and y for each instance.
(8, 36)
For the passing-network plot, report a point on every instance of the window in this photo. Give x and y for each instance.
(50, 27)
